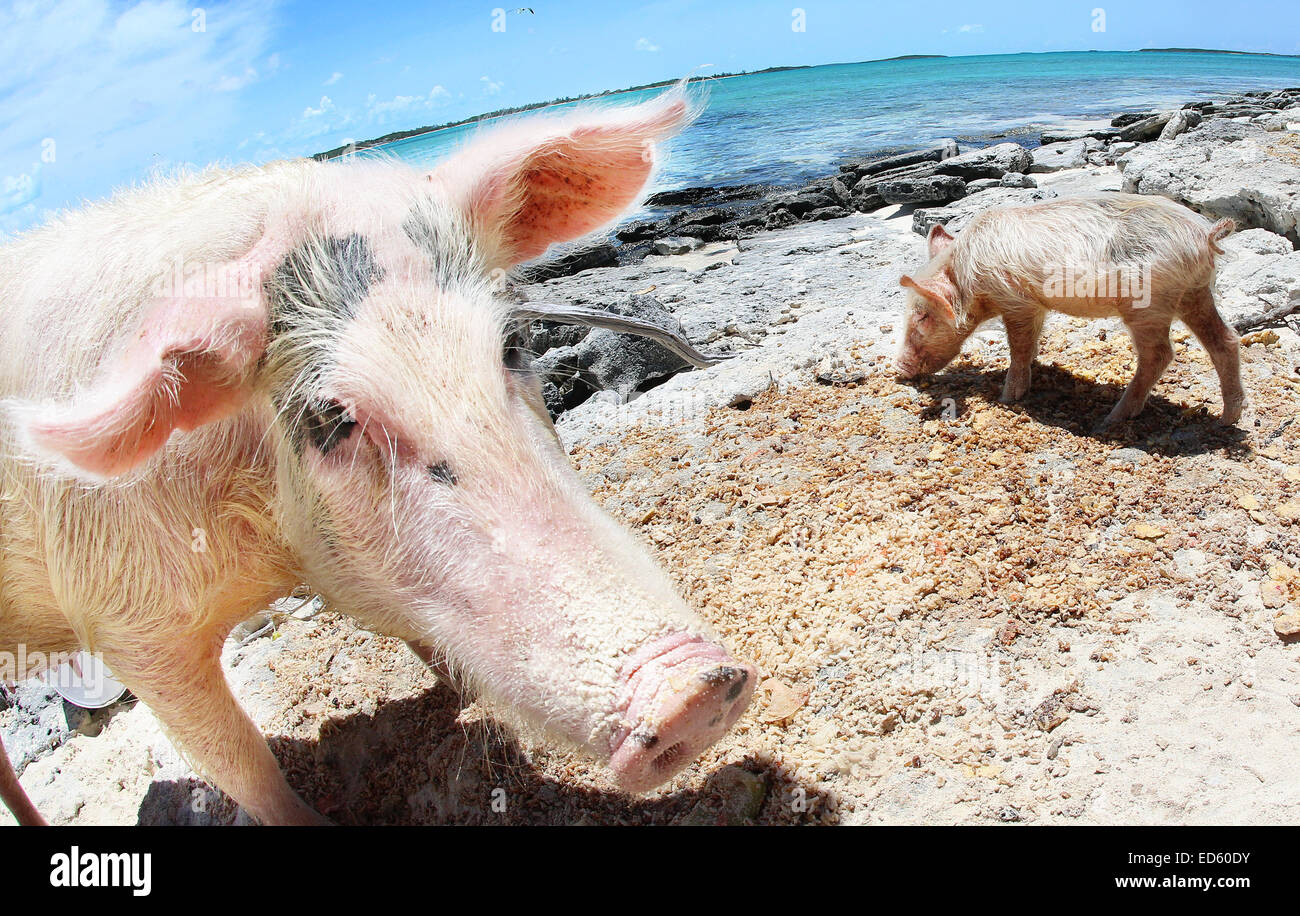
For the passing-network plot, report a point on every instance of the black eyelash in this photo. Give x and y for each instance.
(327, 425)
(442, 473)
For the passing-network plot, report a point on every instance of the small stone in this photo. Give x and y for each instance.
(676, 244)
(1287, 625)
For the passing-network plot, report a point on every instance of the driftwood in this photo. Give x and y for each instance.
(598, 318)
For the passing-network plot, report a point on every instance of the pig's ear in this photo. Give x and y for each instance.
(938, 239)
(190, 364)
(542, 181)
(933, 293)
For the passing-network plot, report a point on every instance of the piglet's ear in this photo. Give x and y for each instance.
(938, 239)
(934, 293)
(546, 180)
(189, 362)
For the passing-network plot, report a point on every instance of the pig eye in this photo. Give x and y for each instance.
(442, 473)
(327, 424)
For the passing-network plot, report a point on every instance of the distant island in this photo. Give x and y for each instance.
(502, 112)
(1211, 51)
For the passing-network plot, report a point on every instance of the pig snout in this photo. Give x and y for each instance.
(906, 368)
(680, 694)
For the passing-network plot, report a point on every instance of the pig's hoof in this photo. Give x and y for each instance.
(682, 698)
(1232, 413)
(1013, 393)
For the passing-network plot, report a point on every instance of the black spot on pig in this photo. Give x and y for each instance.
(332, 275)
(326, 425)
(442, 473)
(450, 256)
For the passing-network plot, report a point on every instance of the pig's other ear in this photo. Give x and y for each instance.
(938, 239)
(547, 180)
(190, 362)
(933, 293)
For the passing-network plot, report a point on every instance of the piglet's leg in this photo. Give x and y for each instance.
(1221, 342)
(11, 791)
(1023, 332)
(184, 686)
(1154, 354)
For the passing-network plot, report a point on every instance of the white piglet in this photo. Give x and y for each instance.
(218, 387)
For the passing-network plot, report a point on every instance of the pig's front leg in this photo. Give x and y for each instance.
(1023, 330)
(435, 661)
(184, 686)
(1154, 354)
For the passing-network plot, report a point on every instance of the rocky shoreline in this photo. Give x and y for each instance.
(930, 177)
(1156, 151)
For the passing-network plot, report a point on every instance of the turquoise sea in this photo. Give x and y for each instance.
(786, 127)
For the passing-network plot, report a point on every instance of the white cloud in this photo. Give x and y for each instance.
(489, 86)
(18, 191)
(645, 44)
(971, 28)
(118, 86)
(326, 105)
(379, 110)
(334, 78)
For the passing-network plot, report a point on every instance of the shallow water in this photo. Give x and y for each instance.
(786, 127)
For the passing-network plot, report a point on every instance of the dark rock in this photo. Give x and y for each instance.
(643, 230)
(826, 213)
(601, 254)
(866, 195)
(694, 197)
(934, 189)
(1130, 117)
(1048, 137)
(709, 232)
(607, 361)
(990, 162)
(1242, 111)
(803, 201)
(1147, 128)
(779, 219)
(874, 165)
(833, 187)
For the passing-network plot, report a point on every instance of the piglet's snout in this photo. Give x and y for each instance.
(682, 694)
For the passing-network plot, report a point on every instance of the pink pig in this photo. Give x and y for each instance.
(1144, 260)
(331, 400)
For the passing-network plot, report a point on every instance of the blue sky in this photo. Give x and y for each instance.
(95, 94)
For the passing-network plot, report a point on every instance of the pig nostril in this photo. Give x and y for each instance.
(668, 758)
(716, 677)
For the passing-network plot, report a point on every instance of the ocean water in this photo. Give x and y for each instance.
(793, 125)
